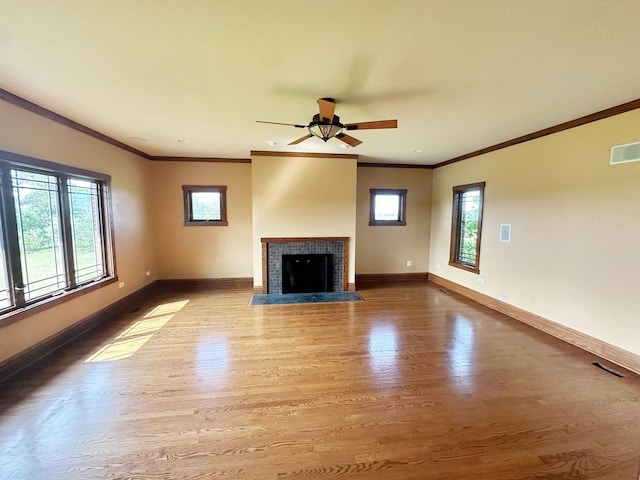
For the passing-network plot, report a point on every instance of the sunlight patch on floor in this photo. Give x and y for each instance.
(167, 308)
(142, 327)
(118, 350)
(129, 341)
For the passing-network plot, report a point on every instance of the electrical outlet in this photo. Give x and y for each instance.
(409, 263)
(437, 265)
(147, 273)
(480, 279)
(121, 285)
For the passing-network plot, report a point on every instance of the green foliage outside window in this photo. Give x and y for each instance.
(466, 223)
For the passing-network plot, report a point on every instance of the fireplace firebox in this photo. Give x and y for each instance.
(307, 273)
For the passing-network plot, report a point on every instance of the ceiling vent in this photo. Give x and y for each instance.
(625, 153)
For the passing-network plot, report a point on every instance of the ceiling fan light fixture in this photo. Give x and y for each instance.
(324, 130)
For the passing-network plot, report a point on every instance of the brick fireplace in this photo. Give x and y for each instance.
(274, 248)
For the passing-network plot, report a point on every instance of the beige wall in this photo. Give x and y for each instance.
(574, 257)
(303, 197)
(387, 249)
(202, 252)
(29, 134)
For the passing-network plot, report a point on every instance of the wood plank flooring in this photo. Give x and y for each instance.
(412, 383)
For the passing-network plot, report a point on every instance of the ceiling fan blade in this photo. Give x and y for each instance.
(349, 140)
(327, 107)
(301, 139)
(278, 123)
(372, 125)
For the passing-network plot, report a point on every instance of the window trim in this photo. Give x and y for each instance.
(454, 247)
(187, 190)
(9, 160)
(402, 213)
(17, 314)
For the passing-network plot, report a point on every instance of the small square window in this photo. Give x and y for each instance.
(388, 207)
(205, 205)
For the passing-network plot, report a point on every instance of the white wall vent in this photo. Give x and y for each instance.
(505, 232)
(629, 152)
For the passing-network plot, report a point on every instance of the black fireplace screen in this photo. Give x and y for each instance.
(307, 273)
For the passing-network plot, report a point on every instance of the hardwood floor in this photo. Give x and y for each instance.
(412, 383)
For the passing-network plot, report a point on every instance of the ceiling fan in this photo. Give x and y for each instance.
(326, 125)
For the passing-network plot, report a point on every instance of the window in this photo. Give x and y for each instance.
(387, 207)
(54, 236)
(466, 226)
(205, 205)
(86, 225)
(39, 228)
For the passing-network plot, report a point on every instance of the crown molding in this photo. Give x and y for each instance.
(395, 165)
(159, 158)
(268, 153)
(53, 116)
(38, 110)
(594, 117)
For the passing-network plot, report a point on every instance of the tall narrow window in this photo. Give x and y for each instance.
(387, 207)
(39, 233)
(466, 226)
(86, 226)
(205, 205)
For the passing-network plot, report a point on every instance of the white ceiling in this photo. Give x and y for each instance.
(458, 75)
